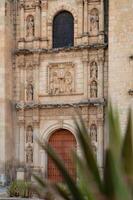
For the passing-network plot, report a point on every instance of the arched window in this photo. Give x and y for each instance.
(63, 30)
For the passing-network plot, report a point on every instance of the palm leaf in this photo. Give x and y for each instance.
(75, 192)
(85, 146)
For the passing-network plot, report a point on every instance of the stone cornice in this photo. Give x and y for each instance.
(33, 105)
(66, 49)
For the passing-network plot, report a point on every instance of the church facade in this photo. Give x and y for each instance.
(55, 60)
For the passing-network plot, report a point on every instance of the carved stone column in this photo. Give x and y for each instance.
(101, 17)
(37, 20)
(100, 128)
(22, 85)
(101, 74)
(36, 146)
(80, 17)
(44, 31)
(36, 77)
(21, 142)
(85, 78)
(22, 19)
(85, 16)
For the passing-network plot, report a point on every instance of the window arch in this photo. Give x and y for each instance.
(63, 30)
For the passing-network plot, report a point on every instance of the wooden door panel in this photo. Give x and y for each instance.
(63, 142)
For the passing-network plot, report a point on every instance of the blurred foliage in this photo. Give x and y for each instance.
(20, 188)
(116, 182)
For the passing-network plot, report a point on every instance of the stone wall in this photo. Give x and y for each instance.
(120, 51)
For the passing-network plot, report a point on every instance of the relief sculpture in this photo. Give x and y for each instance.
(94, 22)
(29, 154)
(61, 79)
(30, 26)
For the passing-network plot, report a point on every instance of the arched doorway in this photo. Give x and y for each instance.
(63, 141)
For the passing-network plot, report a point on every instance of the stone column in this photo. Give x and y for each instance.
(44, 31)
(21, 142)
(36, 146)
(85, 16)
(22, 27)
(101, 23)
(101, 74)
(37, 20)
(22, 83)
(100, 136)
(101, 17)
(80, 18)
(36, 77)
(85, 77)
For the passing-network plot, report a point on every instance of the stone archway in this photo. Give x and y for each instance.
(63, 141)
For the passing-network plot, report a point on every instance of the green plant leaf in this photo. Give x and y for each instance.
(86, 148)
(75, 192)
(115, 187)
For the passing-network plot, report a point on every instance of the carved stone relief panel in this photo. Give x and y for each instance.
(29, 4)
(61, 78)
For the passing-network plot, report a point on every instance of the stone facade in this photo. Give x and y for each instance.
(44, 85)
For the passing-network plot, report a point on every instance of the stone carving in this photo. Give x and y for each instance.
(93, 70)
(30, 26)
(29, 92)
(94, 21)
(93, 133)
(29, 154)
(29, 135)
(61, 78)
(93, 89)
(29, 74)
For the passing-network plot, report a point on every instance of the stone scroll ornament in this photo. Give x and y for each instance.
(94, 21)
(30, 26)
(61, 79)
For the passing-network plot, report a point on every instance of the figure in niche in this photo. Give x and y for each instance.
(29, 154)
(68, 82)
(93, 70)
(30, 26)
(62, 80)
(94, 22)
(29, 92)
(93, 89)
(54, 83)
(29, 134)
(93, 133)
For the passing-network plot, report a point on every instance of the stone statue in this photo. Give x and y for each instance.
(29, 92)
(29, 135)
(93, 89)
(62, 80)
(54, 83)
(93, 133)
(94, 22)
(68, 82)
(93, 70)
(29, 155)
(30, 26)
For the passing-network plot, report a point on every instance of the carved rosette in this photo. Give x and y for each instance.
(61, 78)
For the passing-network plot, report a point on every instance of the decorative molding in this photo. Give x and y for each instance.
(89, 102)
(64, 49)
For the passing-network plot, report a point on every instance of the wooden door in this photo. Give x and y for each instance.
(63, 142)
